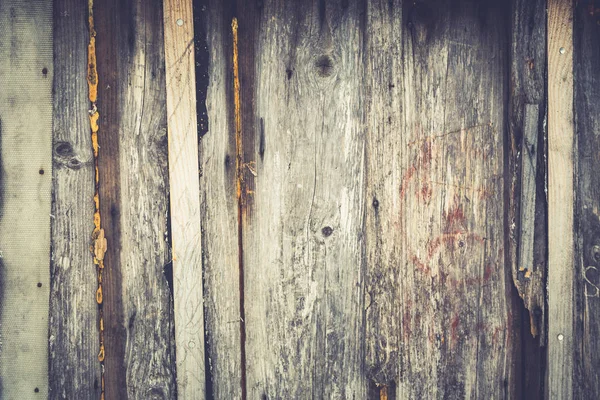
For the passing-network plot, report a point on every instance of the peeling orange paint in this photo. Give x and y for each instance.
(383, 393)
(99, 240)
(237, 108)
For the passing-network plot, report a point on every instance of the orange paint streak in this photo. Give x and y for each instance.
(239, 161)
(383, 393)
(99, 241)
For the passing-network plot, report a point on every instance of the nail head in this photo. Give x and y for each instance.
(562, 50)
(560, 337)
(179, 22)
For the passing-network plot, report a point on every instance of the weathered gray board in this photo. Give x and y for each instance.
(26, 70)
(73, 342)
(371, 228)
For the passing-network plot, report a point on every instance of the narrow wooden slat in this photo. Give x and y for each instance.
(528, 192)
(560, 200)
(302, 205)
(26, 71)
(133, 174)
(456, 312)
(74, 368)
(586, 65)
(185, 199)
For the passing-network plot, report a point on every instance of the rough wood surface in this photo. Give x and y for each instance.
(138, 308)
(455, 303)
(302, 199)
(587, 265)
(560, 200)
(219, 207)
(184, 198)
(26, 71)
(74, 368)
(527, 90)
(384, 326)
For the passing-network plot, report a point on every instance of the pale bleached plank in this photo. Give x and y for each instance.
(185, 199)
(26, 71)
(560, 200)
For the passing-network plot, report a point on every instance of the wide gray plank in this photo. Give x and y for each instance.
(74, 370)
(302, 199)
(137, 302)
(456, 309)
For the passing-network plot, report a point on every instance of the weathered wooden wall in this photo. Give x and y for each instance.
(371, 211)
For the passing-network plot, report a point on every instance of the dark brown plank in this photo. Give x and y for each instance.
(74, 370)
(528, 237)
(587, 217)
(133, 173)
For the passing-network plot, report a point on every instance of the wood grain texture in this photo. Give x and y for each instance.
(185, 200)
(26, 70)
(527, 89)
(302, 198)
(219, 208)
(386, 332)
(560, 200)
(456, 309)
(587, 262)
(138, 309)
(74, 370)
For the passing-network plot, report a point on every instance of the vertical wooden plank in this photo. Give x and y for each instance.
(560, 199)
(26, 70)
(386, 332)
(133, 172)
(185, 200)
(219, 208)
(586, 55)
(302, 198)
(456, 308)
(74, 371)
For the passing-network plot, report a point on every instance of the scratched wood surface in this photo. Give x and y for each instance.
(587, 262)
(133, 173)
(455, 304)
(561, 342)
(302, 200)
(74, 370)
(184, 198)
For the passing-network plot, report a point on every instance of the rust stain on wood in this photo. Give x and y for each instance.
(99, 241)
(239, 189)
